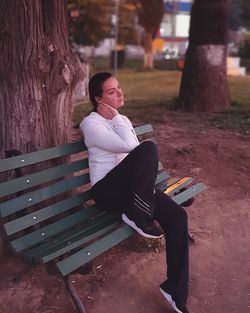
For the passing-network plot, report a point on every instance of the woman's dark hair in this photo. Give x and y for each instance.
(95, 86)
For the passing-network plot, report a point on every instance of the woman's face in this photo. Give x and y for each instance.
(112, 93)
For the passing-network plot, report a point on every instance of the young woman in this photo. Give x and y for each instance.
(123, 174)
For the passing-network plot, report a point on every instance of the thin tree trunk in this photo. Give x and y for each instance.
(204, 84)
(37, 75)
(148, 51)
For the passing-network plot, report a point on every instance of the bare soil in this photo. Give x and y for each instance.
(126, 279)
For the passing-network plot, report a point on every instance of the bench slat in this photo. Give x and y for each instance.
(55, 152)
(85, 255)
(41, 155)
(79, 242)
(38, 178)
(31, 198)
(189, 193)
(43, 214)
(69, 235)
(175, 187)
(161, 177)
(172, 181)
(46, 232)
(77, 237)
(143, 130)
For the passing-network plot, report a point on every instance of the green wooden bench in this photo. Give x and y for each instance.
(41, 226)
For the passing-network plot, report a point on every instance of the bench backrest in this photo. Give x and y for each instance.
(45, 203)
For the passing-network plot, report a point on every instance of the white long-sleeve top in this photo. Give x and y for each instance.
(108, 142)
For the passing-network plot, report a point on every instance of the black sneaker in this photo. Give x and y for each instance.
(178, 307)
(146, 229)
(182, 307)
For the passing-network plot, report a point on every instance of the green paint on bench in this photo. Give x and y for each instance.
(144, 129)
(52, 230)
(89, 253)
(79, 237)
(41, 155)
(38, 178)
(43, 214)
(31, 198)
(161, 177)
(189, 193)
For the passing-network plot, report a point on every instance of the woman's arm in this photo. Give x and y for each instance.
(120, 139)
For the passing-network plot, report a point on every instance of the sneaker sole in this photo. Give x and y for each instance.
(170, 300)
(139, 231)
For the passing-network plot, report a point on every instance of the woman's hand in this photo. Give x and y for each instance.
(106, 111)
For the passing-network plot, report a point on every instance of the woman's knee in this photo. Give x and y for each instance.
(148, 148)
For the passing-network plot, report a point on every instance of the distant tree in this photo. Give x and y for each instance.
(93, 21)
(127, 34)
(245, 13)
(90, 21)
(236, 14)
(239, 14)
(204, 84)
(150, 13)
(38, 73)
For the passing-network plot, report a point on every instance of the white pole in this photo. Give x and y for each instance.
(116, 37)
(174, 12)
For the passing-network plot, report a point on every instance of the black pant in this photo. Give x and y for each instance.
(130, 185)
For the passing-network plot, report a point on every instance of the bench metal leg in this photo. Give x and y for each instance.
(74, 295)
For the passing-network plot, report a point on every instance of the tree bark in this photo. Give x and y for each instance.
(148, 51)
(37, 75)
(204, 82)
(204, 85)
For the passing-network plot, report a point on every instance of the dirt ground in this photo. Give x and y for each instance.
(126, 279)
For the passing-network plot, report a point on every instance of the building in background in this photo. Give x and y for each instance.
(172, 38)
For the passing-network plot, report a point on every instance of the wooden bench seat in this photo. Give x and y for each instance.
(49, 214)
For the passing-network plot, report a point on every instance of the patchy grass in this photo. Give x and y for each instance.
(238, 117)
(151, 95)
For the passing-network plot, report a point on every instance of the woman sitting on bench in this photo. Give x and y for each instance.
(123, 173)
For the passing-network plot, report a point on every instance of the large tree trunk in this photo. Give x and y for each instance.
(204, 84)
(37, 75)
(148, 51)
